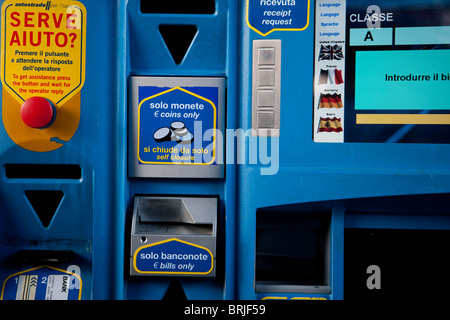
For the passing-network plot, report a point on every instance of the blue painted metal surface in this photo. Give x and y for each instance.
(354, 182)
(88, 220)
(315, 173)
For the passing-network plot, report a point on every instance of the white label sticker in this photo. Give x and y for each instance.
(57, 287)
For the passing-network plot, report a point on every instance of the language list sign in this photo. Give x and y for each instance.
(266, 16)
(173, 256)
(43, 49)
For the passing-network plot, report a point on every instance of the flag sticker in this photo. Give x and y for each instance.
(329, 101)
(330, 125)
(330, 76)
(329, 52)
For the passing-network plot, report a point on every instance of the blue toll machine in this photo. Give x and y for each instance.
(224, 149)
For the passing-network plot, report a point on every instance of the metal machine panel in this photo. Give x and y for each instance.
(57, 190)
(223, 149)
(176, 127)
(174, 236)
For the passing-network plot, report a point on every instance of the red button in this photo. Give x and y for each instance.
(37, 112)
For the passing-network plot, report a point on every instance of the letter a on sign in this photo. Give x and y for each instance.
(374, 280)
(368, 36)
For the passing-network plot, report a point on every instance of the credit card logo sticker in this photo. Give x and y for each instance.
(168, 121)
(42, 283)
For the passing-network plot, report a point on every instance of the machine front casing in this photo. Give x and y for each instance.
(292, 215)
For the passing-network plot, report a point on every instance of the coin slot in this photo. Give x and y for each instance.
(179, 6)
(38, 257)
(43, 171)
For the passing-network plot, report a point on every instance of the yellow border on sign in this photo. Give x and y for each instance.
(188, 92)
(293, 298)
(278, 29)
(362, 118)
(171, 272)
(40, 267)
(82, 61)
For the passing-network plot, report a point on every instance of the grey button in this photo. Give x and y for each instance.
(266, 119)
(266, 87)
(266, 98)
(266, 56)
(266, 77)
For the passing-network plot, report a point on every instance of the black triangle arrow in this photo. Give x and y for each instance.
(45, 203)
(178, 39)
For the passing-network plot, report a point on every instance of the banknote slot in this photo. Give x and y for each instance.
(43, 171)
(169, 216)
(175, 227)
(162, 210)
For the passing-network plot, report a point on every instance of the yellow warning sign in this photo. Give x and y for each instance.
(43, 49)
(43, 46)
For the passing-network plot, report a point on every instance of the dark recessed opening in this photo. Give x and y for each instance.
(291, 248)
(179, 6)
(43, 171)
(412, 263)
(38, 257)
(175, 292)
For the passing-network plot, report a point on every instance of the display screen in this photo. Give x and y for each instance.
(382, 71)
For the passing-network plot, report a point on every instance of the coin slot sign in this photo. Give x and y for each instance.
(177, 125)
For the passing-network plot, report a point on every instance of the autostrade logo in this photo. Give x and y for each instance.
(34, 5)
